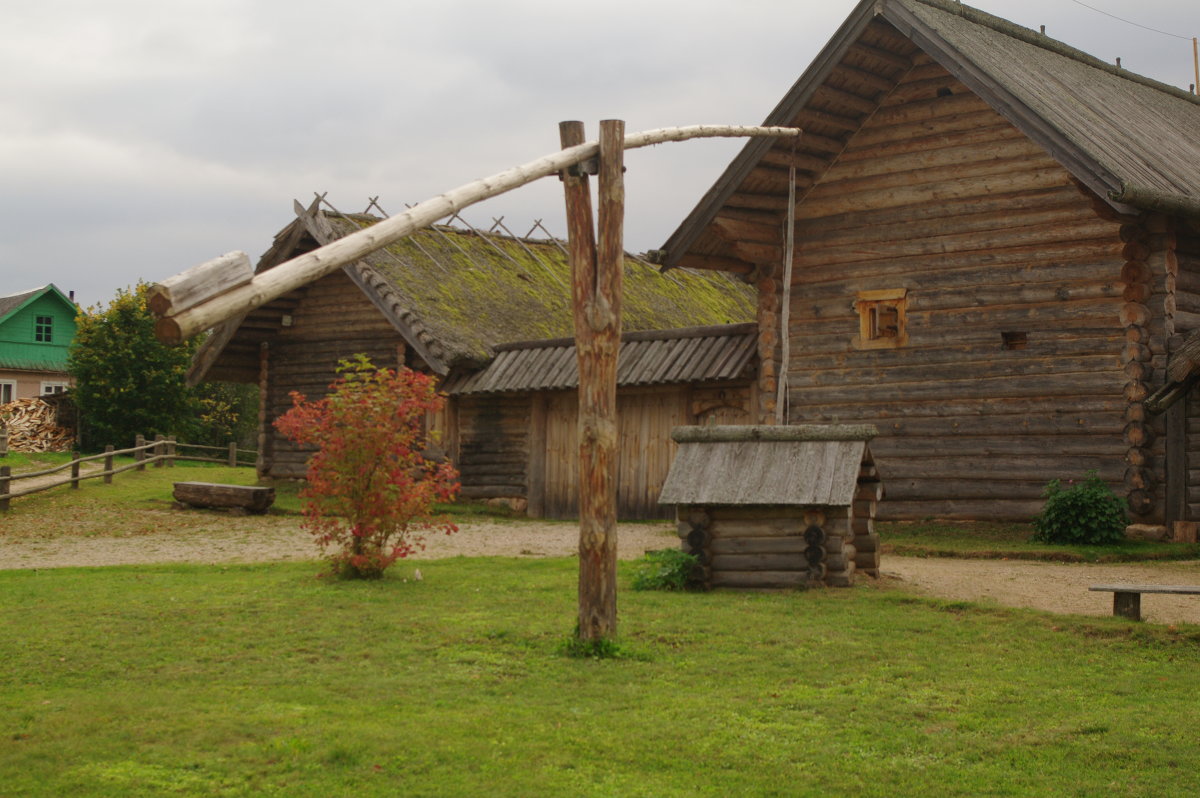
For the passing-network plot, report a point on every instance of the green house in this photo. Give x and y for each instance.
(36, 329)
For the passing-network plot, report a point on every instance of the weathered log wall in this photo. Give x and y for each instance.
(772, 546)
(1027, 344)
(493, 445)
(1186, 320)
(334, 320)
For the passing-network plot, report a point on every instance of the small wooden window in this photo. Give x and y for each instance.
(881, 318)
(43, 329)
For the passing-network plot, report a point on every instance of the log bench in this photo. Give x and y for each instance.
(1127, 599)
(244, 498)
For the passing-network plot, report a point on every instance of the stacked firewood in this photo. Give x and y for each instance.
(32, 426)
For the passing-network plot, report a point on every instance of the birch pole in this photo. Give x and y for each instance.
(597, 269)
(175, 325)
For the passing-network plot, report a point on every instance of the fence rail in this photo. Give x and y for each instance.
(161, 452)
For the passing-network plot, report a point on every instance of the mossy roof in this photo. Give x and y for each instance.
(464, 293)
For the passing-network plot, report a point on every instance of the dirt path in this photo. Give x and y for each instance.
(1053, 587)
(275, 538)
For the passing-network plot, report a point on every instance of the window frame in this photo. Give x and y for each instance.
(43, 329)
(12, 396)
(868, 305)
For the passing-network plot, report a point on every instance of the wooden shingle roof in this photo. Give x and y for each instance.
(779, 465)
(656, 357)
(1129, 138)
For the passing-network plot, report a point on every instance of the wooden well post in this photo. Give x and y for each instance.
(596, 275)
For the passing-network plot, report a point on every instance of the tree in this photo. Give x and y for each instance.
(228, 411)
(126, 382)
(370, 491)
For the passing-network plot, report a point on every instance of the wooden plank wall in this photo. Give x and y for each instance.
(645, 420)
(561, 464)
(939, 195)
(333, 321)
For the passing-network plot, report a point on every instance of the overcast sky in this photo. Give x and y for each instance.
(140, 137)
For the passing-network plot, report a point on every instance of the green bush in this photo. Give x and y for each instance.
(1086, 512)
(666, 569)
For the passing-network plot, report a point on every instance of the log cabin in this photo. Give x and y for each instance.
(490, 314)
(986, 244)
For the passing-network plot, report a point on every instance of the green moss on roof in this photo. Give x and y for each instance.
(472, 292)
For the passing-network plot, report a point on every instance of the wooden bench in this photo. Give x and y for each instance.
(1127, 599)
(245, 498)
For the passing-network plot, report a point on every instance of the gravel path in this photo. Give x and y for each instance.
(1054, 587)
(277, 538)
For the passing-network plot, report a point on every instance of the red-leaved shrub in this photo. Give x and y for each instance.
(370, 491)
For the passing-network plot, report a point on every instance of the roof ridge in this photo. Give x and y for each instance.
(674, 333)
(1037, 39)
(449, 228)
(26, 293)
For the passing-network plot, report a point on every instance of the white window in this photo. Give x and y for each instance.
(8, 391)
(54, 387)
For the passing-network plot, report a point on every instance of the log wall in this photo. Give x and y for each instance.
(1023, 354)
(1186, 320)
(334, 320)
(493, 445)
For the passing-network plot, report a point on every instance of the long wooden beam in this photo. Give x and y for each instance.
(173, 327)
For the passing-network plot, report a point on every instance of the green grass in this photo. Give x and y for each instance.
(266, 680)
(983, 540)
(263, 680)
(22, 461)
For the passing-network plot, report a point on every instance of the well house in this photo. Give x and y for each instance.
(776, 506)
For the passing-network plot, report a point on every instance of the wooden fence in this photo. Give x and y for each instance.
(161, 452)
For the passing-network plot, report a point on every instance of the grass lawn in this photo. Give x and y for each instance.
(263, 680)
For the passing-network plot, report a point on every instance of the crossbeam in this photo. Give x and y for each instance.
(174, 326)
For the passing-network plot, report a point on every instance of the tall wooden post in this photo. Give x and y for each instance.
(596, 276)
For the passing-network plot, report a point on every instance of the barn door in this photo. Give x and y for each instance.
(645, 452)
